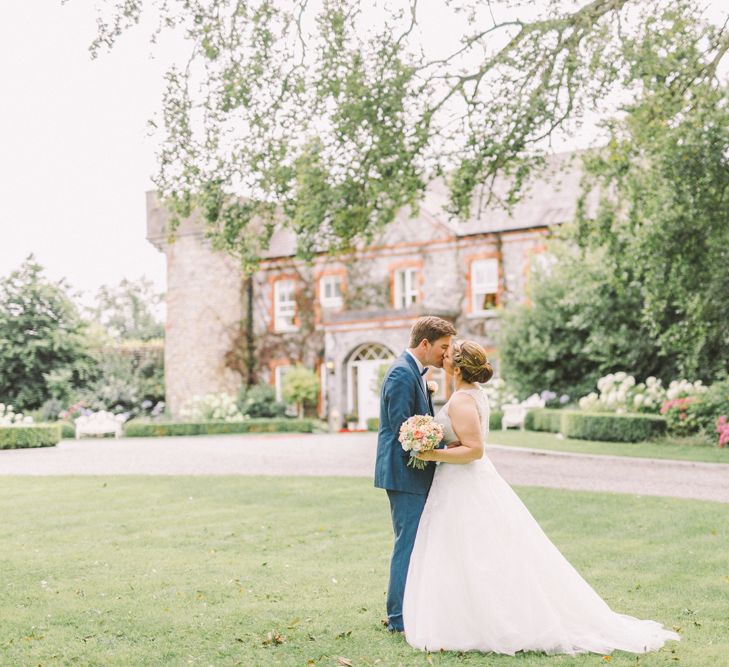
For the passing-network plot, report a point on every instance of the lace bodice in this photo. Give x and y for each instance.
(482, 403)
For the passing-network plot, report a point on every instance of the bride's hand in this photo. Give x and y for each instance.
(425, 456)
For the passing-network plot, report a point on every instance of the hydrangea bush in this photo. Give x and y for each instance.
(499, 394)
(213, 407)
(620, 393)
(8, 416)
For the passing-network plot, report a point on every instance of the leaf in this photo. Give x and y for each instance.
(345, 634)
(273, 638)
(344, 662)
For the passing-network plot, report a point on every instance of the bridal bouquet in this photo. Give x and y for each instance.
(420, 433)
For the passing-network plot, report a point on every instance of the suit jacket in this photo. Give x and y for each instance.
(402, 396)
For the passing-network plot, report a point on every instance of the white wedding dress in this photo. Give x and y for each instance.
(483, 576)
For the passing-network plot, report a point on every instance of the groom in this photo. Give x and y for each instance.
(404, 394)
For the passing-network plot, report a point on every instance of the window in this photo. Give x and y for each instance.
(279, 375)
(330, 291)
(484, 284)
(406, 291)
(543, 263)
(284, 305)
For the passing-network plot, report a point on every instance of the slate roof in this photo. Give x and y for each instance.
(549, 199)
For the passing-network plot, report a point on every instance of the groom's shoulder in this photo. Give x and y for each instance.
(399, 371)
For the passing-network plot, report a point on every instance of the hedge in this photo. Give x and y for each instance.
(373, 423)
(68, 431)
(31, 435)
(544, 419)
(136, 429)
(611, 427)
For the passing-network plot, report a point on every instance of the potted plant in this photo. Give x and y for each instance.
(351, 419)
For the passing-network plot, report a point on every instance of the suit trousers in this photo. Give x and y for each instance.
(405, 509)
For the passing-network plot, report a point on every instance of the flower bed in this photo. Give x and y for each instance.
(134, 428)
(30, 435)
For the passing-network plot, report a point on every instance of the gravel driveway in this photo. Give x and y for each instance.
(352, 455)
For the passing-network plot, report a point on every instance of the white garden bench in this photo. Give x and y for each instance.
(514, 414)
(100, 423)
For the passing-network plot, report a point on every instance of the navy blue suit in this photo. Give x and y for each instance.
(402, 396)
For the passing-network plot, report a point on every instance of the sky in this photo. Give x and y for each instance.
(75, 155)
(75, 159)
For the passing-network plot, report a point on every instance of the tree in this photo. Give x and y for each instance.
(300, 387)
(43, 351)
(329, 117)
(127, 311)
(664, 215)
(584, 322)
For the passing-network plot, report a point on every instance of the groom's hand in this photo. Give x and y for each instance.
(451, 445)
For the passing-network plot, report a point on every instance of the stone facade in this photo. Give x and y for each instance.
(420, 265)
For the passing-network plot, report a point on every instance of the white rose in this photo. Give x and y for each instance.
(432, 387)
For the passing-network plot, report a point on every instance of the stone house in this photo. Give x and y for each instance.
(346, 316)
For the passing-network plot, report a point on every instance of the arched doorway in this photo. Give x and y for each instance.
(363, 373)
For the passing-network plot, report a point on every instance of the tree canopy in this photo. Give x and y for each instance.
(664, 214)
(43, 350)
(330, 116)
(127, 310)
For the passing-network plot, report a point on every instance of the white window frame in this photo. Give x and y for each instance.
(406, 288)
(284, 312)
(544, 263)
(487, 283)
(334, 300)
(278, 374)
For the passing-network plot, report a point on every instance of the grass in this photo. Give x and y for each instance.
(292, 571)
(683, 449)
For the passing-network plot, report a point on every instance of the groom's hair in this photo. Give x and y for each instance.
(430, 328)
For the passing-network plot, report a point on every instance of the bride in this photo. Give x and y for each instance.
(483, 576)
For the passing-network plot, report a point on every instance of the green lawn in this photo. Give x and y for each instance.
(687, 449)
(292, 571)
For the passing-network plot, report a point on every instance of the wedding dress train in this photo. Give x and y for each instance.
(483, 575)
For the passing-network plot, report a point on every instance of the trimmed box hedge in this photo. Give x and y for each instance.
(611, 427)
(136, 429)
(373, 424)
(29, 435)
(544, 419)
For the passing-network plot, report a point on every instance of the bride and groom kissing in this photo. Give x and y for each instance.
(471, 569)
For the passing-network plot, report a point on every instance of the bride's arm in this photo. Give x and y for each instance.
(467, 425)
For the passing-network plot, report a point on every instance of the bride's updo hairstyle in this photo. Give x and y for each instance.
(471, 359)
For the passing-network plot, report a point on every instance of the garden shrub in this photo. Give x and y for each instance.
(138, 428)
(68, 430)
(544, 419)
(259, 401)
(31, 435)
(495, 420)
(611, 427)
(712, 404)
(373, 424)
